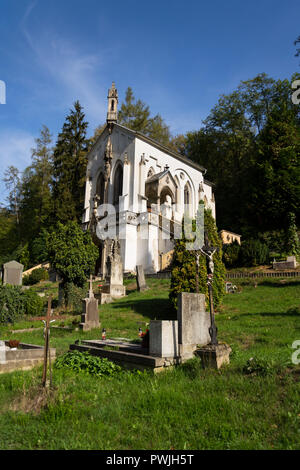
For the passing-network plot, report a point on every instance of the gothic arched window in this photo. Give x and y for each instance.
(187, 196)
(100, 187)
(118, 184)
(150, 173)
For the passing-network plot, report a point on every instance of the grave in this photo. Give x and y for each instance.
(90, 313)
(12, 273)
(193, 323)
(140, 279)
(113, 289)
(214, 356)
(171, 342)
(24, 357)
(290, 263)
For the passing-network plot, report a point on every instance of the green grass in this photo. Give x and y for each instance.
(184, 408)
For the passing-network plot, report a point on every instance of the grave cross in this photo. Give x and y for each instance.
(91, 293)
(46, 346)
(208, 251)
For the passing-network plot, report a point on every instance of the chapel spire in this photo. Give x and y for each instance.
(112, 108)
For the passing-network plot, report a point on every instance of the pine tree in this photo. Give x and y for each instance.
(135, 115)
(69, 166)
(292, 240)
(36, 201)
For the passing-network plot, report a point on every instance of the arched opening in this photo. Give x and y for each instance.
(187, 195)
(150, 173)
(187, 199)
(112, 105)
(118, 184)
(100, 188)
(166, 202)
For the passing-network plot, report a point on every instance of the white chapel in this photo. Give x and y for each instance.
(149, 186)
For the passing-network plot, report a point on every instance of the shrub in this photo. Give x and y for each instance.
(88, 364)
(37, 275)
(73, 296)
(253, 253)
(33, 304)
(258, 366)
(183, 276)
(11, 303)
(231, 253)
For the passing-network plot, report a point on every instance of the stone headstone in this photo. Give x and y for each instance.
(114, 286)
(140, 278)
(193, 323)
(163, 338)
(12, 273)
(2, 352)
(90, 313)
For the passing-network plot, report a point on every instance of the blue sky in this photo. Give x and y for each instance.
(178, 56)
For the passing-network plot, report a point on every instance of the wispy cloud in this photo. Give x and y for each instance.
(75, 74)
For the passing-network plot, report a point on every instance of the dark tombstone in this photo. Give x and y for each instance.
(140, 278)
(12, 273)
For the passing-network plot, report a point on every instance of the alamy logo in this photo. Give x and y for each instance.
(296, 354)
(296, 94)
(2, 92)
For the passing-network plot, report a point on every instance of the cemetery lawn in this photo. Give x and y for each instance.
(183, 408)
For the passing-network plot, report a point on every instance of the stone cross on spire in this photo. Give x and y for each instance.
(112, 109)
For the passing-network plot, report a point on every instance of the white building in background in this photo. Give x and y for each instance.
(149, 186)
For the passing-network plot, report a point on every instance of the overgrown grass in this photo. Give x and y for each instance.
(184, 408)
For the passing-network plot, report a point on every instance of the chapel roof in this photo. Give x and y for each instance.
(156, 144)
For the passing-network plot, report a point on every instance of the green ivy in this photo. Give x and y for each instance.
(183, 277)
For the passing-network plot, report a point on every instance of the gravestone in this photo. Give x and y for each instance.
(140, 279)
(2, 352)
(163, 338)
(193, 323)
(12, 273)
(90, 314)
(113, 289)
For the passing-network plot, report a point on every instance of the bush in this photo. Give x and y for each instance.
(73, 296)
(37, 275)
(11, 303)
(183, 277)
(88, 364)
(258, 366)
(231, 254)
(253, 253)
(33, 304)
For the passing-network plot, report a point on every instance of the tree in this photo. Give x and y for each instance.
(292, 240)
(69, 167)
(12, 183)
(183, 277)
(250, 146)
(135, 115)
(72, 253)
